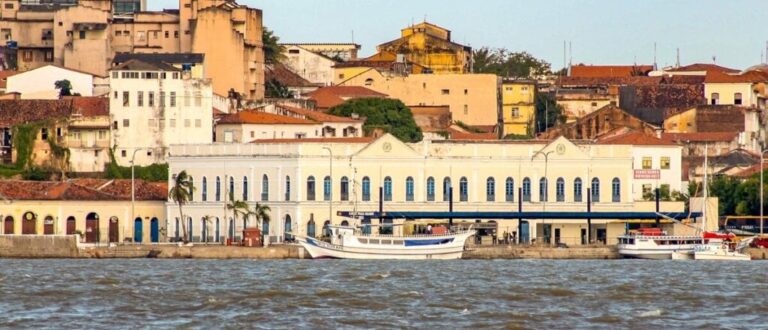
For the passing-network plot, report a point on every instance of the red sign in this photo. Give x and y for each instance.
(648, 174)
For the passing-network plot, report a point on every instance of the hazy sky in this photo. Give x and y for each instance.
(601, 32)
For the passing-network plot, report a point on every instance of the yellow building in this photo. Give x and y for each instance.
(518, 106)
(429, 45)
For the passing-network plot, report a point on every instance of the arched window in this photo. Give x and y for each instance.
(446, 189)
(177, 230)
(409, 189)
(387, 189)
(311, 228)
(231, 188)
(366, 189)
(287, 188)
(311, 188)
(327, 228)
(430, 189)
(218, 189)
(616, 190)
(490, 189)
(526, 190)
(509, 190)
(264, 188)
(344, 189)
(595, 190)
(543, 189)
(327, 188)
(189, 229)
(204, 191)
(560, 189)
(715, 99)
(245, 188)
(463, 189)
(203, 230)
(191, 185)
(369, 82)
(577, 190)
(287, 229)
(217, 235)
(737, 99)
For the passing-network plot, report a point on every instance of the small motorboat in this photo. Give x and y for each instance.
(718, 249)
(351, 243)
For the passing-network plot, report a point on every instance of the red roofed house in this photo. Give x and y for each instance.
(331, 96)
(605, 71)
(97, 209)
(747, 89)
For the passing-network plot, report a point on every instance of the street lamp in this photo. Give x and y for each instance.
(133, 186)
(762, 159)
(546, 179)
(330, 189)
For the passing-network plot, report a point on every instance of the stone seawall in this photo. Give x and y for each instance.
(534, 252)
(35, 246)
(167, 251)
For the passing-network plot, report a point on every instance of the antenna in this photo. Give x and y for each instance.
(766, 52)
(677, 62)
(353, 36)
(714, 59)
(570, 55)
(565, 64)
(655, 67)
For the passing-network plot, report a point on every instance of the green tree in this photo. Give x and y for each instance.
(505, 63)
(548, 112)
(273, 51)
(388, 114)
(275, 89)
(64, 87)
(261, 213)
(181, 193)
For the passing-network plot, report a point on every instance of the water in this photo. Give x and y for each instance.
(150, 293)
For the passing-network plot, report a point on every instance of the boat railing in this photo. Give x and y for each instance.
(664, 237)
(376, 235)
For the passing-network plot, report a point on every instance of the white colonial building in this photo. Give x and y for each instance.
(306, 182)
(155, 105)
(40, 83)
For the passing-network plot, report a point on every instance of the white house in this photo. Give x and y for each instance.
(155, 105)
(315, 67)
(40, 83)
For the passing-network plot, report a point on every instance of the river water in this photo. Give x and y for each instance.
(151, 293)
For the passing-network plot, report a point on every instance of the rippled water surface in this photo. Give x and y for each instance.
(149, 293)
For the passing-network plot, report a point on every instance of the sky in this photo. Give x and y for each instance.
(599, 31)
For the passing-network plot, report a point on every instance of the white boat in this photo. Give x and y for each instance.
(718, 249)
(682, 255)
(350, 243)
(652, 243)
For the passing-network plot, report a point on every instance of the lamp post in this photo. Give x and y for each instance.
(133, 186)
(762, 159)
(330, 189)
(546, 179)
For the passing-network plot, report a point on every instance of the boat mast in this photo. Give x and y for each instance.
(704, 204)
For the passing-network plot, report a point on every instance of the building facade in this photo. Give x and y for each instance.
(429, 45)
(40, 83)
(518, 106)
(306, 183)
(313, 66)
(153, 106)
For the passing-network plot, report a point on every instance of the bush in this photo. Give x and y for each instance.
(390, 114)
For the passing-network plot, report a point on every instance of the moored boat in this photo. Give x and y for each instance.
(351, 243)
(653, 243)
(719, 249)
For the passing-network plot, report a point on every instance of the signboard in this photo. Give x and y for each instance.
(648, 174)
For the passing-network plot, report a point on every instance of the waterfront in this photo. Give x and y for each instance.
(140, 293)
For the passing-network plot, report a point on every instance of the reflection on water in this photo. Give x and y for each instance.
(363, 294)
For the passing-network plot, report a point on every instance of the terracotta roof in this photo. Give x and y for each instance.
(139, 65)
(261, 118)
(331, 96)
(4, 74)
(285, 76)
(609, 70)
(593, 81)
(319, 116)
(714, 77)
(83, 189)
(703, 67)
(14, 112)
(459, 135)
(90, 106)
(700, 137)
(365, 139)
(636, 138)
(749, 171)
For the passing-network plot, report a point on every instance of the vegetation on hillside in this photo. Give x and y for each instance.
(505, 63)
(391, 115)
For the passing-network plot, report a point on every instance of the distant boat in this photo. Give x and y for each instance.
(350, 243)
(653, 243)
(719, 249)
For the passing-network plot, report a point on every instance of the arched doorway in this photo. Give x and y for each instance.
(92, 228)
(154, 230)
(189, 229)
(48, 225)
(138, 230)
(29, 224)
(204, 229)
(217, 238)
(524, 232)
(114, 230)
(366, 226)
(8, 225)
(287, 229)
(71, 225)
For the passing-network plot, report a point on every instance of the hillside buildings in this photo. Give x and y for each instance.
(518, 106)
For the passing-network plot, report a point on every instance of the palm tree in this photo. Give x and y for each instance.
(181, 193)
(261, 212)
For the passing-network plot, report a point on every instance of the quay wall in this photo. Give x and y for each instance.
(168, 251)
(38, 246)
(535, 252)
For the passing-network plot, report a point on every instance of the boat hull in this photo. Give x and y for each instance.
(724, 257)
(318, 249)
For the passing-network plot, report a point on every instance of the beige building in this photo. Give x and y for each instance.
(40, 83)
(518, 109)
(471, 98)
(86, 36)
(307, 182)
(313, 66)
(99, 210)
(335, 50)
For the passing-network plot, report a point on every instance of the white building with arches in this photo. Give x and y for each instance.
(306, 182)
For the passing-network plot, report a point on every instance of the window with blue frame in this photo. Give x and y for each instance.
(387, 189)
(490, 189)
(409, 189)
(577, 189)
(430, 189)
(245, 188)
(311, 188)
(265, 188)
(231, 188)
(560, 189)
(595, 190)
(446, 189)
(543, 189)
(509, 190)
(366, 189)
(344, 189)
(204, 192)
(287, 188)
(218, 189)
(463, 189)
(526, 190)
(327, 188)
(616, 190)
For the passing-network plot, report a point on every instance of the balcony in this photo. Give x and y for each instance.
(100, 144)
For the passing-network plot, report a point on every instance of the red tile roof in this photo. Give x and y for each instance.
(318, 116)
(746, 77)
(592, 81)
(703, 67)
(635, 138)
(459, 135)
(285, 76)
(262, 118)
(749, 171)
(366, 139)
(331, 96)
(609, 70)
(90, 106)
(700, 137)
(83, 190)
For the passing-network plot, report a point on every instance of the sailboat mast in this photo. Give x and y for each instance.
(704, 204)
